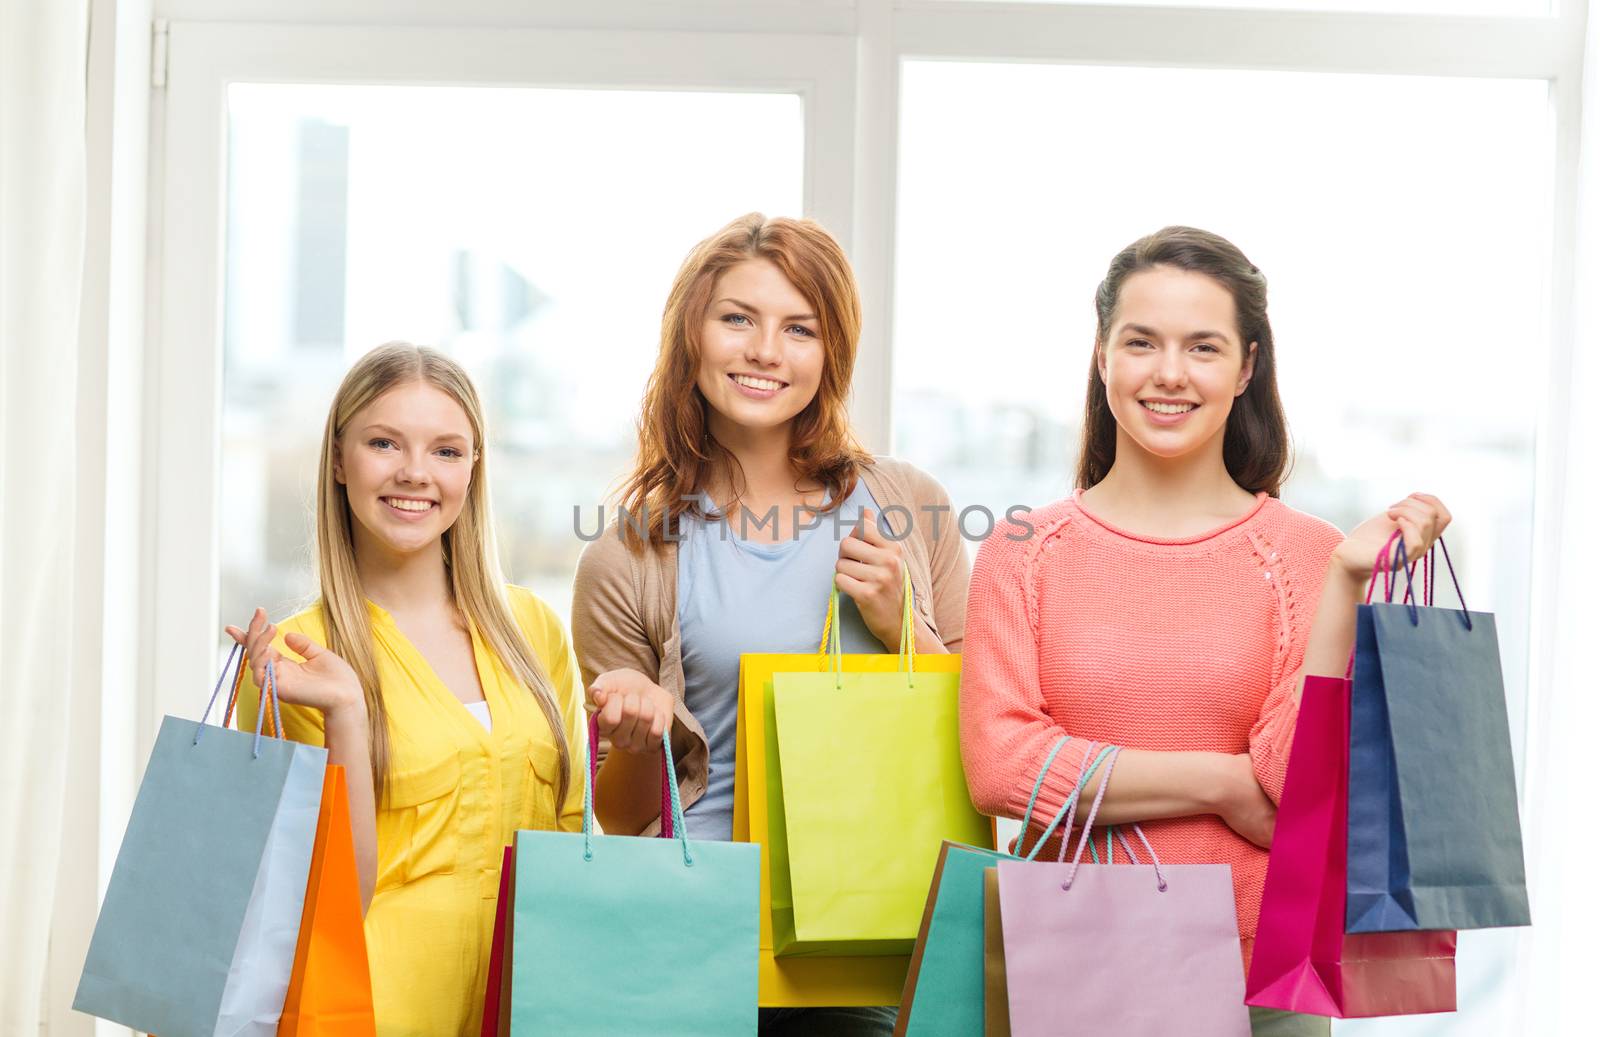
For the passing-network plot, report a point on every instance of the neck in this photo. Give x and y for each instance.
(763, 462)
(1141, 485)
(402, 582)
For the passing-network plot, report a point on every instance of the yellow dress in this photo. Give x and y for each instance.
(457, 792)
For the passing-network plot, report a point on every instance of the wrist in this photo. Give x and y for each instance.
(349, 714)
(1220, 787)
(1349, 573)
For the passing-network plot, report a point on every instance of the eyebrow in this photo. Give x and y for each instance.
(757, 309)
(1194, 336)
(390, 430)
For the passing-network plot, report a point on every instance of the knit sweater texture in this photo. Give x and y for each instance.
(1083, 629)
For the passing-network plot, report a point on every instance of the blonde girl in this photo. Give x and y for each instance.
(450, 698)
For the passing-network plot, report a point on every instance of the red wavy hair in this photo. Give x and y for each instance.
(676, 450)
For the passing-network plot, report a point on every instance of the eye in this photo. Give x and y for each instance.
(1139, 343)
(802, 330)
(1206, 347)
(380, 443)
(450, 453)
(737, 320)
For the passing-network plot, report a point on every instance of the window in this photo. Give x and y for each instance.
(530, 233)
(1402, 223)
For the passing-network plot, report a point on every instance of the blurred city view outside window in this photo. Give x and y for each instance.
(532, 234)
(1402, 222)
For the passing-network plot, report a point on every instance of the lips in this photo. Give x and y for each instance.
(756, 387)
(409, 505)
(1166, 407)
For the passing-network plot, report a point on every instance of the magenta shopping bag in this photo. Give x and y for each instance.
(1138, 950)
(1303, 960)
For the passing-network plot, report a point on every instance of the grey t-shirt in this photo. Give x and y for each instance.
(738, 593)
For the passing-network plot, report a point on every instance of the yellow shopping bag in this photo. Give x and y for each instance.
(818, 977)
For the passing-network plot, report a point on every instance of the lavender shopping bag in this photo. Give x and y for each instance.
(1139, 950)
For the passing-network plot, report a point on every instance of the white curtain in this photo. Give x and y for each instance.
(43, 46)
(1564, 845)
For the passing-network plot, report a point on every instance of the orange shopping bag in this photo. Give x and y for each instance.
(330, 989)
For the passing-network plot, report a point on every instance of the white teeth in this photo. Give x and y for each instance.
(1170, 408)
(764, 384)
(408, 505)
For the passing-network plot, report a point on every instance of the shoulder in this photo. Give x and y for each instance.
(1020, 534)
(1305, 538)
(610, 559)
(903, 483)
(307, 621)
(538, 622)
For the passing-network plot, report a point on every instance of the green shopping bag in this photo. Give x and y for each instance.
(616, 934)
(872, 786)
(944, 992)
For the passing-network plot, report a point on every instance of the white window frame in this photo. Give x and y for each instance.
(845, 57)
(206, 58)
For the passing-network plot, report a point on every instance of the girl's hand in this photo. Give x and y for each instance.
(1421, 518)
(324, 681)
(1243, 807)
(869, 571)
(634, 711)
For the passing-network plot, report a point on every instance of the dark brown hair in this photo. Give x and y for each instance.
(676, 451)
(1255, 445)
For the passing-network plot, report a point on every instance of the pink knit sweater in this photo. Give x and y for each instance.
(1087, 630)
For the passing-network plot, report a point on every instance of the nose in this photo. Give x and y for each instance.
(412, 468)
(765, 347)
(1170, 370)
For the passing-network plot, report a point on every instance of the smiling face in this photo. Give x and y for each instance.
(1173, 363)
(761, 351)
(406, 462)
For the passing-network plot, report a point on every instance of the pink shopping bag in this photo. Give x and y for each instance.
(1141, 950)
(1304, 961)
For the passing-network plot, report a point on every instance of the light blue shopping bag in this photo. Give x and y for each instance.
(197, 932)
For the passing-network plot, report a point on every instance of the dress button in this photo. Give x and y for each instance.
(1267, 575)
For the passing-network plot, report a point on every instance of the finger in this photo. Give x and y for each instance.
(1436, 507)
(873, 575)
(854, 547)
(627, 732)
(598, 697)
(856, 589)
(870, 531)
(658, 728)
(1416, 544)
(610, 716)
(303, 646)
(236, 634)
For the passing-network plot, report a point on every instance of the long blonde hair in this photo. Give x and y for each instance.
(470, 555)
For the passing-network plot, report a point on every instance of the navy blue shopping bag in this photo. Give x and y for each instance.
(1435, 841)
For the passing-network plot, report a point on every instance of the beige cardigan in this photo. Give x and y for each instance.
(625, 603)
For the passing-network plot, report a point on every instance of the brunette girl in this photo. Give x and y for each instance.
(1173, 603)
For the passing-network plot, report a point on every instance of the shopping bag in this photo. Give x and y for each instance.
(330, 989)
(996, 1005)
(758, 817)
(622, 934)
(497, 949)
(1303, 960)
(201, 918)
(1142, 950)
(944, 994)
(1434, 837)
(876, 785)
